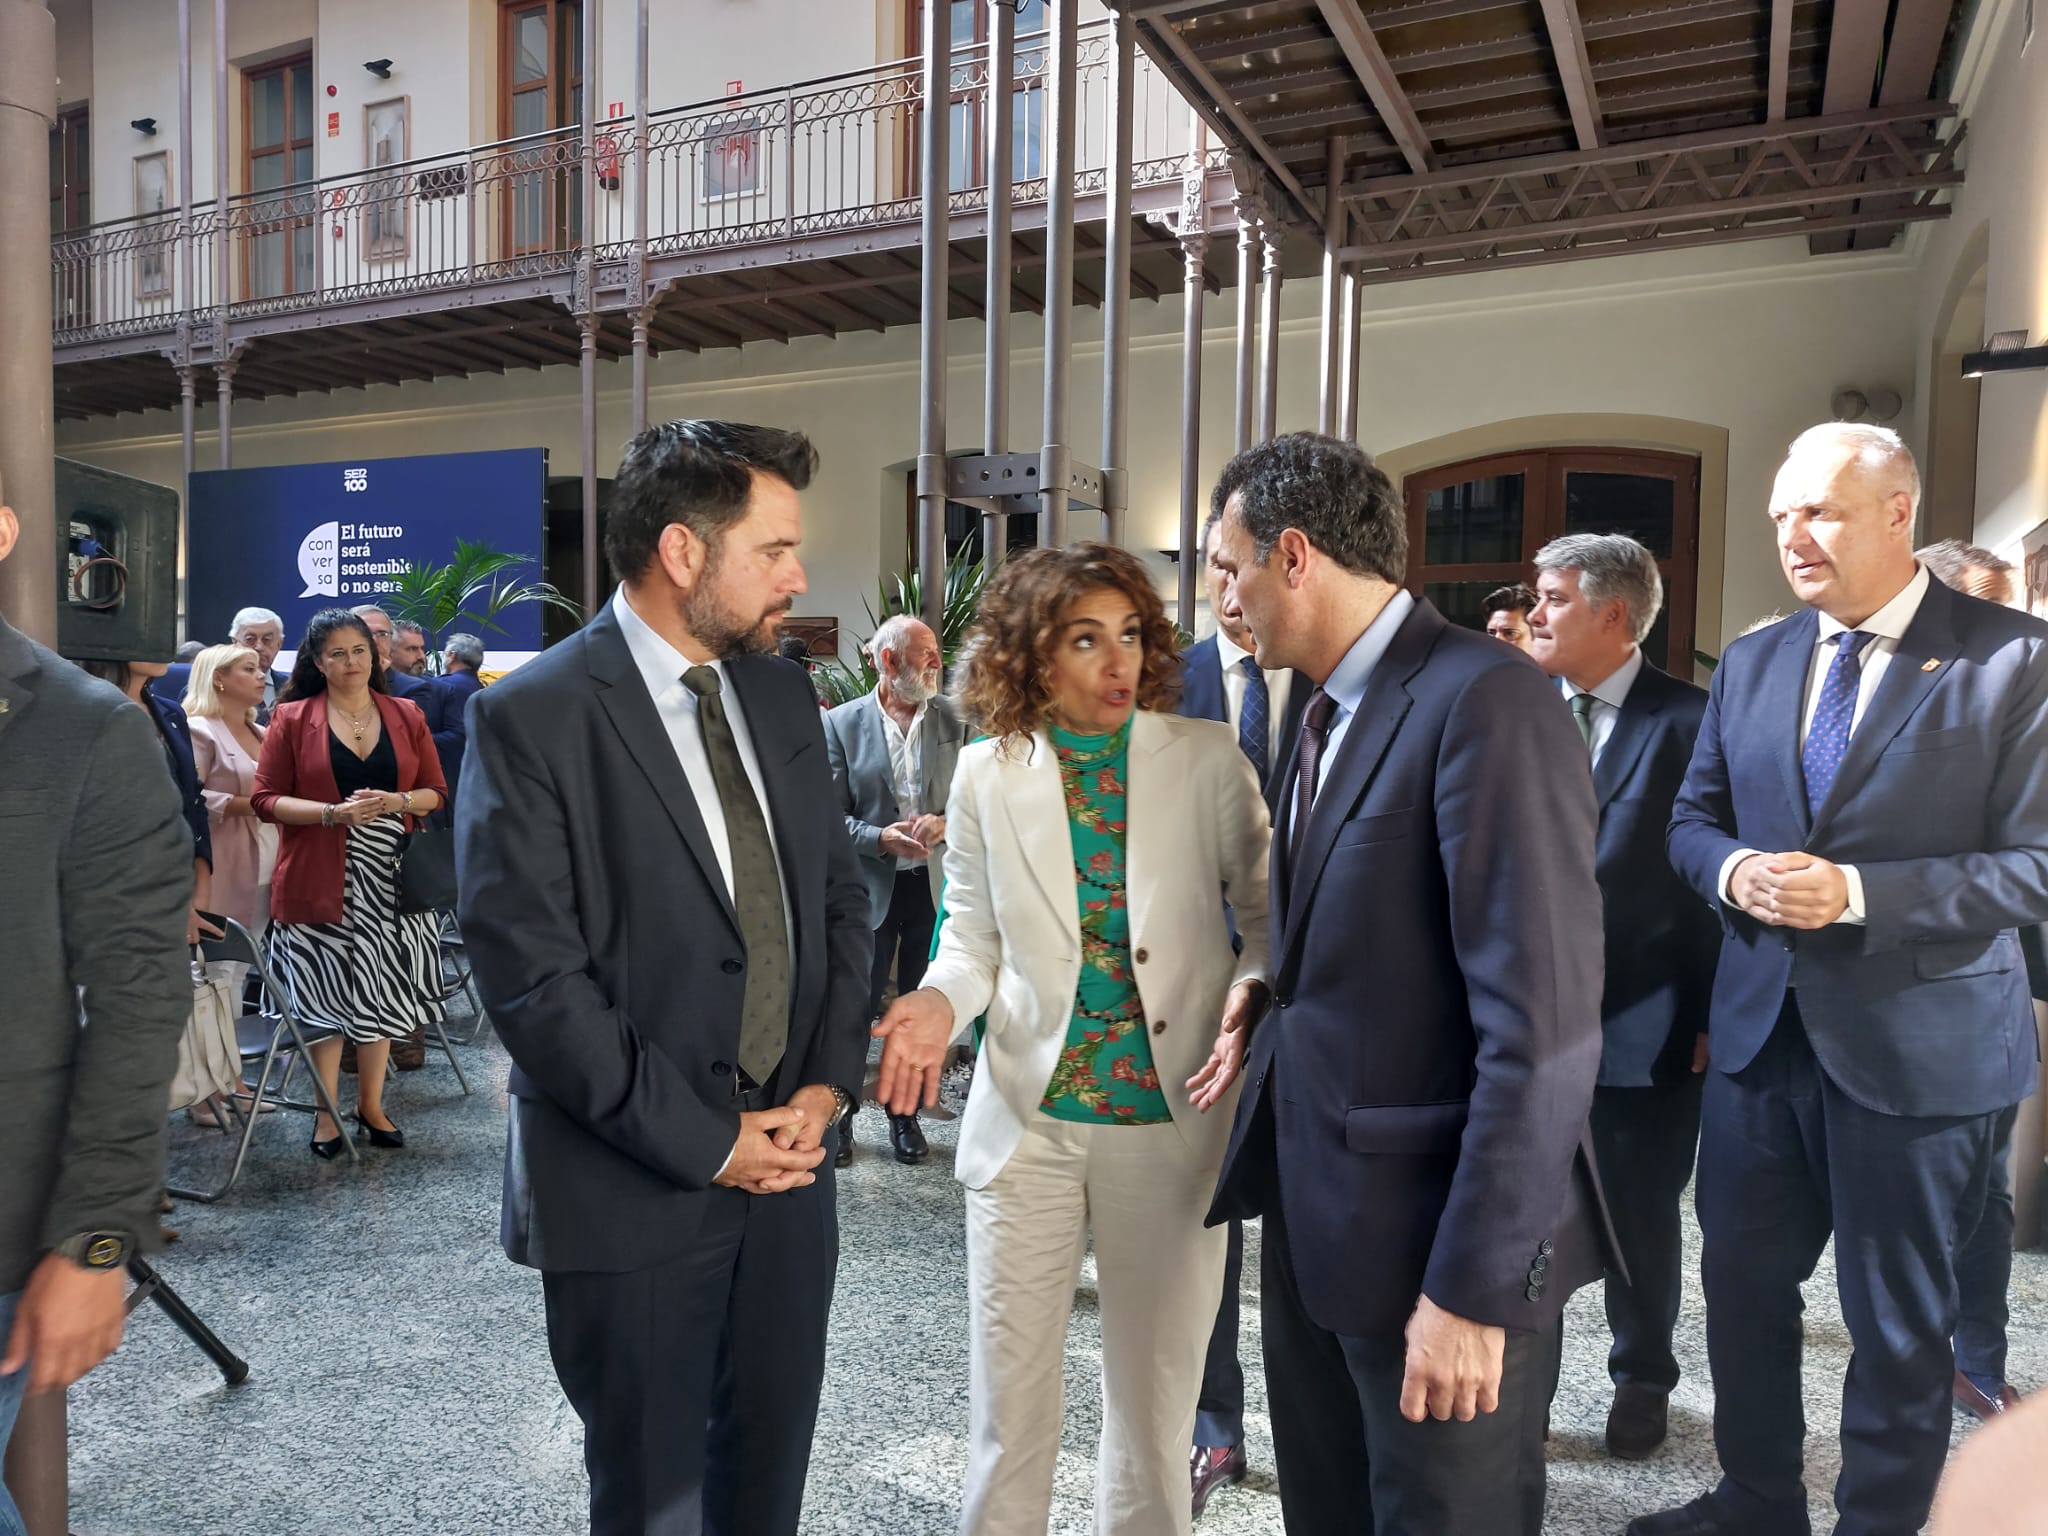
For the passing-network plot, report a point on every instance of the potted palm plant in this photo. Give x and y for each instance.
(469, 592)
(966, 575)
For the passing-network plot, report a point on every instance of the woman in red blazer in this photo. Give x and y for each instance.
(346, 771)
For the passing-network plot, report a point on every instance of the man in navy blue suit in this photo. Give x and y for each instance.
(1597, 594)
(1221, 679)
(1867, 808)
(421, 690)
(1413, 1122)
(463, 658)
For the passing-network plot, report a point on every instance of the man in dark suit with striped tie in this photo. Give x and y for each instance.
(1867, 810)
(1221, 680)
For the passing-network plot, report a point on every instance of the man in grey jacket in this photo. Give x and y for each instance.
(893, 753)
(99, 878)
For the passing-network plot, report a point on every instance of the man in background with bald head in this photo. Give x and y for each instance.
(1867, 808)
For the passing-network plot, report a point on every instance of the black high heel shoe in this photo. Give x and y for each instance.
(390, 1139)
(329, 1149)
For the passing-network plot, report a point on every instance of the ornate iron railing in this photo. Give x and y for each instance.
(804, 161)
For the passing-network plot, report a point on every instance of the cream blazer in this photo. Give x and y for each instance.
(1011, 945)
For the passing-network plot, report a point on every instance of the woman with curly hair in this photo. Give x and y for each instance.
(1091, 838)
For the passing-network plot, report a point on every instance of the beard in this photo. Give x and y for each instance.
(914, 687)
(725, 631)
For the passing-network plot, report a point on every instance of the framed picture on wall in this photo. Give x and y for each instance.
(387, 215)
(2033, 562)
(732, 157)
(157, 228)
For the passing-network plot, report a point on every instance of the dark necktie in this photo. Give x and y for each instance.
(1308, 757)
(1253, 718)
(756, 887)
(1582, 716)
(1827, 738)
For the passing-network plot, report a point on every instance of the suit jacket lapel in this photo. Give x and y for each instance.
(1633, 728)
(638, 722)
(1153, 827)
(1366, 739)
(1781, 706)
(1908, 679)
(1037, 808)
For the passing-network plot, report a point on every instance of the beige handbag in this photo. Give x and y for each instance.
(209, 1057)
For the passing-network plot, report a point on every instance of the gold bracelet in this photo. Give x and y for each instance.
(326, 815)
(405, 799)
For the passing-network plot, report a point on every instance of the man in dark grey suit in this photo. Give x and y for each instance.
(1867, 809)
(1413, 1125)
(892, 754)
(1597, 594)
(670, 932)
(99, 881)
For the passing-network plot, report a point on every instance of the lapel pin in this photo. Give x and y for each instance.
(1930, 664)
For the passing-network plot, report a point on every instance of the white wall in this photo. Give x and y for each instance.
(74, 51)
(2002, 208)
(1750, 340)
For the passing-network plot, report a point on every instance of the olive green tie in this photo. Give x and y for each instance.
(1582, 713)
(756, 887)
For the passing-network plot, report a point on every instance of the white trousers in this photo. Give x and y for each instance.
(1158, 1274)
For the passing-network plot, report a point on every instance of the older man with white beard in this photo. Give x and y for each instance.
(892, 755)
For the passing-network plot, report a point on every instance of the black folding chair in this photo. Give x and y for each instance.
(151, 1286)
(456, 981)
(263, 1039)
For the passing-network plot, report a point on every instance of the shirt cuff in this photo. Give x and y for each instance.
(735, 1152)
(1728, 873)
(1854, 912)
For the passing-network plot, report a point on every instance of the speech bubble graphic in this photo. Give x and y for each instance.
(320, 561)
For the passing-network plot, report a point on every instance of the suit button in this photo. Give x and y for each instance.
(1141, 956)
(1282, 1002)
(731, 967)
(721, 1068)
(1159, 1028)
(1542, 1263)
(1534, 1293)
(1546, 1246)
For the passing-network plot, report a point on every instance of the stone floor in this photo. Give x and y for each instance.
(400, 1380)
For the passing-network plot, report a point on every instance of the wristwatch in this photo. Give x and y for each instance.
(97, 1250)
(845, 1102)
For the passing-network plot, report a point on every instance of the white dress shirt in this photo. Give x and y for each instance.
(1886, 628)
(1278, 686)
(906, 767)
(1346, 685)
(662, 667)
(1608, 696)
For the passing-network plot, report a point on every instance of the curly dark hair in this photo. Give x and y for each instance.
(1331, 490)
(699, 474)
(307, 679)
(1008, 652)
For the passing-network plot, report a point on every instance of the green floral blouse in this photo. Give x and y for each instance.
(1105, 1073)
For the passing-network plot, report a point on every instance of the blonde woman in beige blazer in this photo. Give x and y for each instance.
(1091, 841)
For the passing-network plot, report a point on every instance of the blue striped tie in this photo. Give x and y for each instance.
(1252, 717)
(1827, 738)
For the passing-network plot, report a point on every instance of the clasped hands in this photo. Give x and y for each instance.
(365, 806)
(915, 837)
(777, 1148)
(1790, 890)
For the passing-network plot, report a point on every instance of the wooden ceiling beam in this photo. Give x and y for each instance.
(1369, 62)
(1779, 91)
(1663, 18)
(1574, 69)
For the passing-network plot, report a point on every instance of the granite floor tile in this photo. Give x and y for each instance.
(400, 1380)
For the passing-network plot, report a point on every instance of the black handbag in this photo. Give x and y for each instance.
(426, 871)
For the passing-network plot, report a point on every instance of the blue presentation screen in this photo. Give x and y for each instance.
(302, 537)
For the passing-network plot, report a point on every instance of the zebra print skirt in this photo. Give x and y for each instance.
(376, 974)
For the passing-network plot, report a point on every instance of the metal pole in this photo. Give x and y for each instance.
(221, 253)
(1269, 335)
(587, 369)
(1116, 289)
(1194, 242)
(187, 270)
(188, 403)
(28, 581)
(931, 360)
(1247, 323)
(224, 386)
(1054, 458)
(1333, 239)
(1347, 355)
(1002, 80)
(645, 315)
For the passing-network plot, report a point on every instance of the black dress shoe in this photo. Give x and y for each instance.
(843, 1158)
(390, 1139)
(1211, 1467)
(1705, 1516)
(329, 1149)
(907, 1137)
(1638, 1421)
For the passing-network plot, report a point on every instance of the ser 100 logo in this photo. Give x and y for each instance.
(355, 479)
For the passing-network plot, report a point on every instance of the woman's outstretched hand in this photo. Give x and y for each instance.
(914, 1034)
